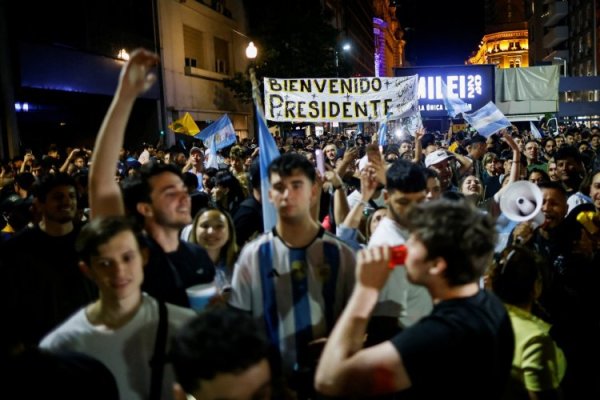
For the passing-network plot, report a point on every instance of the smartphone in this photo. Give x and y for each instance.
(351, 143)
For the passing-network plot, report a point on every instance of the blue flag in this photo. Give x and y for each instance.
(454, 105)
(487, 120)
(382, 131)
(221, 131)
(534, 131)
(267, 153)
(212, 161)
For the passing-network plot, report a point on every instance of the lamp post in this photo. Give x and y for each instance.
(251, 53)
(564, 64)
(345, 47)
(564, 61)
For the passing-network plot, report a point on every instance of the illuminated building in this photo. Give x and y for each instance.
(507, 49)
(506, 41)
(388, 39)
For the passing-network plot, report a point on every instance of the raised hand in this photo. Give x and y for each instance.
(368, 183)
(373, 267)
(137, 76)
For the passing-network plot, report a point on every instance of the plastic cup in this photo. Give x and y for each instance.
(200, 295)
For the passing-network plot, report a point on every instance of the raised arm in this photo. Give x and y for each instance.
(516, 165)
(368, 185)
(136, 77)
(345, 368)
(64, 168)
(465, 164)
(340, 200)
(418, 147)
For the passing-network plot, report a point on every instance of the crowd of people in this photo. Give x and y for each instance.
(99, 251)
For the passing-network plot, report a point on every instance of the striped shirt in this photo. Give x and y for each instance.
(298, 293)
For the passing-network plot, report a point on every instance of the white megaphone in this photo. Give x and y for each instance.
(522, 201)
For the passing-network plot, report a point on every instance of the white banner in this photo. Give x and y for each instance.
(340, 99)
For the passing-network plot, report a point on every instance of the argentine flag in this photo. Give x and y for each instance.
(487, 120)
(382, 131)
(534, 131)
(454, 105)
(221, 132)
(267, 153)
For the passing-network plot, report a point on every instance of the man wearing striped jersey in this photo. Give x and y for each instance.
(297, 278)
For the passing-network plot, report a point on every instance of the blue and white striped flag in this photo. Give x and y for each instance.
(487, 120)
(534, 131)
(454, 105)
(212, 159)
(382, 131)
(221, 131)
(268, 151)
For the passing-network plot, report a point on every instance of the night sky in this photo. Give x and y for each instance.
(441, 33)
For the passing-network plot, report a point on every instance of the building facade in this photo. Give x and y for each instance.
(202, 44)
(505, 42)
(565, 33)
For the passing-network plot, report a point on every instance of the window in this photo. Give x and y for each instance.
(193, 47)
(191, 62)
(221, 56)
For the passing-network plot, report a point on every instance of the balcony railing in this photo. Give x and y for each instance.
(556, 11)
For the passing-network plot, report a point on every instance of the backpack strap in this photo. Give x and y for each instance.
(157, 362)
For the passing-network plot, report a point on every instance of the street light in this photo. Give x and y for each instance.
(346, 47)
(123, 55)
(251, 51)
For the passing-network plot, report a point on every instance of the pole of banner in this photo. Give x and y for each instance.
(256, 91)
(256, 97)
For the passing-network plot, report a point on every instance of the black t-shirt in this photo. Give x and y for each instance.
(167, 275)
(248, 220)
(42, 283)
(462, 350)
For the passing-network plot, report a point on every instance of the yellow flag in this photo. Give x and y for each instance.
(185, 125)
(453, 147)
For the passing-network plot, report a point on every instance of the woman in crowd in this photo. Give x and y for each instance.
(539, 364)
(213, 229)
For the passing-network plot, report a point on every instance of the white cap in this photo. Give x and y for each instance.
(437, 157)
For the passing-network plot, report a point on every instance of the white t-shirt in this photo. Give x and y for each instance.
(399, 298)
(355, 197)
(126, 351)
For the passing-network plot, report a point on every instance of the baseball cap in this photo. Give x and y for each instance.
(194, 149)
(437, 157)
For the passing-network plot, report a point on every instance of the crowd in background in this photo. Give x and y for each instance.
(546, 273)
